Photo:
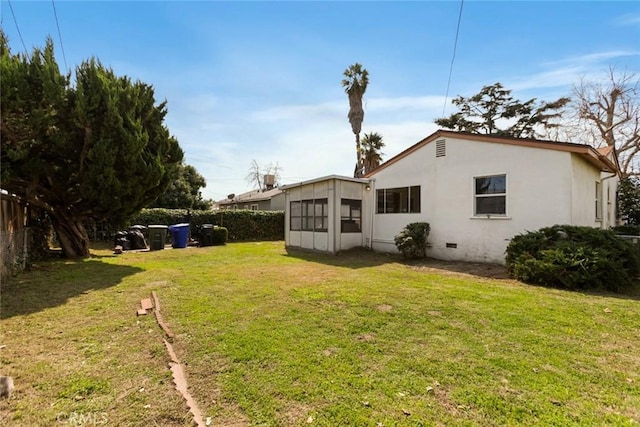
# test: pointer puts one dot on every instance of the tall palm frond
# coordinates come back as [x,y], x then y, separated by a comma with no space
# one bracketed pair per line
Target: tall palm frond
[355,85]
[370,153]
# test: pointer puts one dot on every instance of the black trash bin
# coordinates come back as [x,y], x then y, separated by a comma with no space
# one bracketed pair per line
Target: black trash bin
[206,235]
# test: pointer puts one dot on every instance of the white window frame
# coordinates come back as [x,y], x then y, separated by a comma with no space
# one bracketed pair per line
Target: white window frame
[490,195]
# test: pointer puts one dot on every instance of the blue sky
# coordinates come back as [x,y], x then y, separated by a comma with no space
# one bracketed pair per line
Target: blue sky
[261,80]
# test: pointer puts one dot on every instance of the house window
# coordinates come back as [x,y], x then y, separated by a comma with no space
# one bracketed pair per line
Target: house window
[350,215]
[398,200]
[491,195]
[598,201]
[309,215]
[254,207]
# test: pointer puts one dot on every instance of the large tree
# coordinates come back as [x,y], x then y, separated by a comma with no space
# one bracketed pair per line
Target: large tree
[493,111]
[355,85]
[607,113]
[257,172]
[97,149]
[371,155]
[629,200]
[183,192]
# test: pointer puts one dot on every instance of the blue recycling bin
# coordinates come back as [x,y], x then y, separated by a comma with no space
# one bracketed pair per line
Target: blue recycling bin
[179,235]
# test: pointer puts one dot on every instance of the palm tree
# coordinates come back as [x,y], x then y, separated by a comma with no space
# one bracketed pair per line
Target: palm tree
[370,151]
[355,85]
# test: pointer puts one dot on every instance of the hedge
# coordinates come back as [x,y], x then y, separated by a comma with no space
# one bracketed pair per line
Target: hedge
[242,225]
[629,229]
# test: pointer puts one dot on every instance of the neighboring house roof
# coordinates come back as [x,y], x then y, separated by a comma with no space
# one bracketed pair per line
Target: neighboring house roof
[605,151]
[325,178]
[590,154]
[252,196]
[610,153]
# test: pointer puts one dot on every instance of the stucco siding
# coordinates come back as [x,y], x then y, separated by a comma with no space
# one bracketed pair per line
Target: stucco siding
[583,194]
[538,185]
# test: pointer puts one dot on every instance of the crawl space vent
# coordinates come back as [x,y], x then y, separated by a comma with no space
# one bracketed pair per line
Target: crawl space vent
[441,148]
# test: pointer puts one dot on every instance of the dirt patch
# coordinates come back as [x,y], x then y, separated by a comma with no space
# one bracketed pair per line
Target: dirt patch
[331,351]
[489,271]
[384,308]
[294,414]
[366,337]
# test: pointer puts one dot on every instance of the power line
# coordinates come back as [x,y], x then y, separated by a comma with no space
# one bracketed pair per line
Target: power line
[17,27]
[455,46]
[59,35]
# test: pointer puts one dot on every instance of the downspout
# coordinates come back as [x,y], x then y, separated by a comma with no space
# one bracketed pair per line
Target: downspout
[372,186]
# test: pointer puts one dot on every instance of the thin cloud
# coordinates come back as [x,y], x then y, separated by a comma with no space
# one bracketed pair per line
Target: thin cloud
[593,58]
[628,20]
[567,71]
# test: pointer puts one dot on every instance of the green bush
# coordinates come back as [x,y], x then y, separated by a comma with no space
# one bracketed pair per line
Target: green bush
[220,235]
[241,225]
[574,257]
[412,240]
[629,230]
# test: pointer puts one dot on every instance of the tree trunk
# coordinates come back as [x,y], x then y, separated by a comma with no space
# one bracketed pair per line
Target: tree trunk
[72,235]
[358,173]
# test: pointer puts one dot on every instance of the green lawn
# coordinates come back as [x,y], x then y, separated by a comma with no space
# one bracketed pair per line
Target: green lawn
[271,337]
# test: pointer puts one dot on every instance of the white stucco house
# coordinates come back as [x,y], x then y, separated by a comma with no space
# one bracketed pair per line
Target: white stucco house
[476,192]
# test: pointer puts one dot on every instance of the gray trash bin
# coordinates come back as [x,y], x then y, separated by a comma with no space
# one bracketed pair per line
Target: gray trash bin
[157,237]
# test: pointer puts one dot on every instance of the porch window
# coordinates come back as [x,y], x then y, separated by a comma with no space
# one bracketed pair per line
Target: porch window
[350,216]
[491,195]
[295,216]
[309,215]
[398,200]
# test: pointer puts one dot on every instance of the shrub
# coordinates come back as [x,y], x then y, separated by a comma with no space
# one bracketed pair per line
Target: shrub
[220,235]
[629,230]
[412,240]
[241,225]
[574,257]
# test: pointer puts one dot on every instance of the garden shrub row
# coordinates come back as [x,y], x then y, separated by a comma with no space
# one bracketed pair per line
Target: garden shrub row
[242,225]
[574,257]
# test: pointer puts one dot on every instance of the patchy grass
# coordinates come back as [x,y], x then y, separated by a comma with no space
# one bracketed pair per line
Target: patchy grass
[272,337]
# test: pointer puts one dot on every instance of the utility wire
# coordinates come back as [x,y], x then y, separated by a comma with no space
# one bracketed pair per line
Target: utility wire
[17,27]
[60,35]
[455,46]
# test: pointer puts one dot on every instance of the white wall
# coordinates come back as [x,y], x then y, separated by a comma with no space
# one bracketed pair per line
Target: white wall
[334,190]
[609,189]
[539,185]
